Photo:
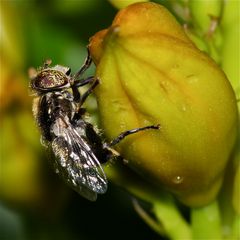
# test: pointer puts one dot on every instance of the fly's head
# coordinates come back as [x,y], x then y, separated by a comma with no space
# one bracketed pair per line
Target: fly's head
[49,79]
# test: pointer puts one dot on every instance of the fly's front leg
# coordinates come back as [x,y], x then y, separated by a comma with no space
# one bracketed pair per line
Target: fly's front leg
[85,66]
[129,132]
[83,82]
[78,83]
[47,63]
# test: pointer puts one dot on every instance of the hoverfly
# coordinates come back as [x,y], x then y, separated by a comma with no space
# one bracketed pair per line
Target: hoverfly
[78,148]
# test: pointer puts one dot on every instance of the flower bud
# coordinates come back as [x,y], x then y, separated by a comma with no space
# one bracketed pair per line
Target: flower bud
[121,4]
[151,73]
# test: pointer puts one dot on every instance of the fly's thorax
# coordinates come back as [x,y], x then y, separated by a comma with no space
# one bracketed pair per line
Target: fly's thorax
[51,107]
[61,104]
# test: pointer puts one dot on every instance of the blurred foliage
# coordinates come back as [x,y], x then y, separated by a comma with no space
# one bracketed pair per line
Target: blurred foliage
[34,203]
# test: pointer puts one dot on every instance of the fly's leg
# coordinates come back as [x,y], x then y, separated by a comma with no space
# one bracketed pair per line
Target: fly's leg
[83,82]
[81,99]
[80,83]
[129,132]
[89,91]
[110,152]
[85,66]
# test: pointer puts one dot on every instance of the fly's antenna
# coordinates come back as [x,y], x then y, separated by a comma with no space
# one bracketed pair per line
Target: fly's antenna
[46,63]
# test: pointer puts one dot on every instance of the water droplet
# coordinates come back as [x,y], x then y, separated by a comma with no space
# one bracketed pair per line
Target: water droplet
[184,108]
[178,180]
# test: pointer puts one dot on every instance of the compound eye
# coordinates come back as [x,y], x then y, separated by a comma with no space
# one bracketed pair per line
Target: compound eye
[50,79]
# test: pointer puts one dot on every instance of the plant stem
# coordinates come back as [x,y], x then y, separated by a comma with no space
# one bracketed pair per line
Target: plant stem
[156,226]
[236,227]
[206,222]
[170,217]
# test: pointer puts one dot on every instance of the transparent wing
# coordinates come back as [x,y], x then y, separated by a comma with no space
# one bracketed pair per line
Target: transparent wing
[76,163]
